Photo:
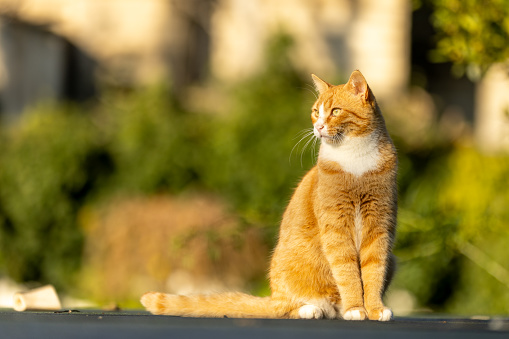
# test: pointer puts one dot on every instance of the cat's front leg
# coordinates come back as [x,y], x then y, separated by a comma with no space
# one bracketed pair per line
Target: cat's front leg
[339,249]
[376,260]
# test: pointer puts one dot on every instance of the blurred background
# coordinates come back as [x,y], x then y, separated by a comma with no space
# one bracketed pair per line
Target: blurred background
[147,144]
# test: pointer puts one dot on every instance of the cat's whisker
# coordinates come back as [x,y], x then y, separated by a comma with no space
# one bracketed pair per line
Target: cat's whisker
[307,133]
[312,90]
[303,135]
[304,148]
[313,150]
[300,141]
[304,131]
[337,138]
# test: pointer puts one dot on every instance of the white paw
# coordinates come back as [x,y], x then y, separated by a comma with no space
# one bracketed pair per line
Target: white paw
[310,312]
[385,315]
[353,315]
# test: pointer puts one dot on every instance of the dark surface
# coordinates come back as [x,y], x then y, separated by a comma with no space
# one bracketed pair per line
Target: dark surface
[94,324]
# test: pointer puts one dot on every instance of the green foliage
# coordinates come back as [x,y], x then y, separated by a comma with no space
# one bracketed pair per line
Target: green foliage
[154,146]
[253,142]
[43,178]
[473,34]
[451,234]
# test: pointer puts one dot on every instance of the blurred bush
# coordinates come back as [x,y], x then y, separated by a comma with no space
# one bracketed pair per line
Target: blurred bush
[153,144]
[473,34]
[251,160]
[48,165]
[453,215]
[184,244]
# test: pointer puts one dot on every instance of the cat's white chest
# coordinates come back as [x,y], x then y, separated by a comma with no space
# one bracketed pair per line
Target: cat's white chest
[356,155]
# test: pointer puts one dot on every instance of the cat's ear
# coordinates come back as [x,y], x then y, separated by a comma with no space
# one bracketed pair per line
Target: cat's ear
[320,85]
[358,86]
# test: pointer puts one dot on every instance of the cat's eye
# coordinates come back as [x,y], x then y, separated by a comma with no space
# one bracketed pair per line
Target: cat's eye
[316,113]
[336,112]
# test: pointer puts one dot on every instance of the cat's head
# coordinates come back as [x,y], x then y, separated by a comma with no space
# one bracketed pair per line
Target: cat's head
[341,111]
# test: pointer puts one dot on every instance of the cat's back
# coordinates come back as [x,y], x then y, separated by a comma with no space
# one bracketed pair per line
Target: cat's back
[301,208]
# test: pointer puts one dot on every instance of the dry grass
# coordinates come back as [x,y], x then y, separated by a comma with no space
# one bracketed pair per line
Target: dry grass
[179,245]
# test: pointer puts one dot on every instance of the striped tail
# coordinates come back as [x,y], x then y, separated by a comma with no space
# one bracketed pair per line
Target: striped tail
[231,305]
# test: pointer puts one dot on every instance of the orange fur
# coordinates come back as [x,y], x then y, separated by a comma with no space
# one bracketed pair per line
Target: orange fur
[333,258]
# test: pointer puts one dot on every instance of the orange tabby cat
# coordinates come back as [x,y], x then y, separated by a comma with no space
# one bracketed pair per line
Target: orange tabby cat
[333,258]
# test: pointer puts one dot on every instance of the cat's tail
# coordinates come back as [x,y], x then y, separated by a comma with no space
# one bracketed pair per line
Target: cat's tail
[231,305]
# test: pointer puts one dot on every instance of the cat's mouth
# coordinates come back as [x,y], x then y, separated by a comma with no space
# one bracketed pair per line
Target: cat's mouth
[334,139]
[332,136]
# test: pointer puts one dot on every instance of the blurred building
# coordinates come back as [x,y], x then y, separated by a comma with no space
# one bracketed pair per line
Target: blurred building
[38,64]
[332,37]
[492,110]
[187,41]
[146,40]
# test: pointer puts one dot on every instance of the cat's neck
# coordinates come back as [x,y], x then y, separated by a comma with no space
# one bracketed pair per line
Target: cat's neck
[355,155]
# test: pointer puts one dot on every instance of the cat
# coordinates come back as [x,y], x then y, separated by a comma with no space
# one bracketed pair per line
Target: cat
[334,256]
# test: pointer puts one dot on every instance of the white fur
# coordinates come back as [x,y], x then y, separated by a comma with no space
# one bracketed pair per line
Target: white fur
[318,309]
[320,122]
[321,112]
[310,312]
[356,155]
[386,315]
[353,315]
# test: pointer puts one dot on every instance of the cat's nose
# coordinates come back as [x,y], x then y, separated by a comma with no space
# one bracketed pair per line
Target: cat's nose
[318,130]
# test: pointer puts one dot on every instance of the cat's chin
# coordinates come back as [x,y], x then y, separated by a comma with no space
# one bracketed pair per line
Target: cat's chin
[333,140]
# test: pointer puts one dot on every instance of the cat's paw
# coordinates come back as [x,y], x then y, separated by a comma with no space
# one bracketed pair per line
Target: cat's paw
[380,314]
[355,313]
[310,312]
